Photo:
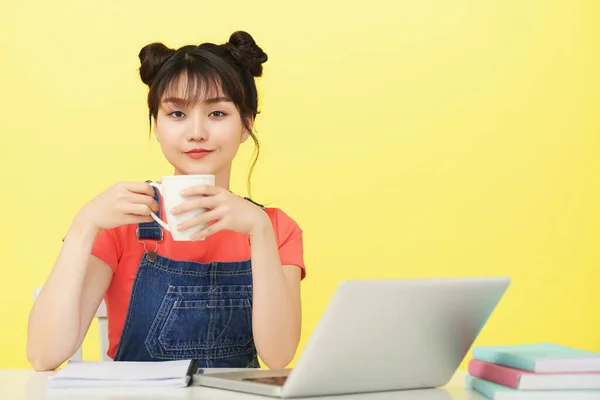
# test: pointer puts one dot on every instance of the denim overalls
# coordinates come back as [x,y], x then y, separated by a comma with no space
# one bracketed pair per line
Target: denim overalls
[188,310]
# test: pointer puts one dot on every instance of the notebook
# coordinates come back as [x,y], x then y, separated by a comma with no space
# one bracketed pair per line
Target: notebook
[78,374]
[542,357]
[495,391]
[527,380]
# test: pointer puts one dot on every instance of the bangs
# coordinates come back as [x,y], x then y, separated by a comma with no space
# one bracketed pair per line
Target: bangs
[192,80]
[190,89]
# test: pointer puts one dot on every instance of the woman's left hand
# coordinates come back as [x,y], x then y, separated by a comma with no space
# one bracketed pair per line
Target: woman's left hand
[227,210]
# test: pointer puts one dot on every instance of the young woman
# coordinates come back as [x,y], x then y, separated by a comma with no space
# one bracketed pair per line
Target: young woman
[230,294]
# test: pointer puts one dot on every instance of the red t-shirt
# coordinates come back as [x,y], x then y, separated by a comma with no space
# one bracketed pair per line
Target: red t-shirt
[120,249]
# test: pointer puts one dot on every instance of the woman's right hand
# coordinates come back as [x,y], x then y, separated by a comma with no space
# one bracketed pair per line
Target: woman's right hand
[121,204]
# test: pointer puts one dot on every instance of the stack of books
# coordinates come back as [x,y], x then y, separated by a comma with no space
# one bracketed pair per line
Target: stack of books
[534,371]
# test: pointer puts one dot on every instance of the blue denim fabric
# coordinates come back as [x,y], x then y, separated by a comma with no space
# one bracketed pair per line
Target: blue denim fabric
[189,310]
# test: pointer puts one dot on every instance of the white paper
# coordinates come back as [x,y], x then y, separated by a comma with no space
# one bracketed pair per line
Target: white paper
[121,374]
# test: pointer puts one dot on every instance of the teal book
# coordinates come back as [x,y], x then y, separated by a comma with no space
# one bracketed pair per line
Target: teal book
[494,391]
[541,357]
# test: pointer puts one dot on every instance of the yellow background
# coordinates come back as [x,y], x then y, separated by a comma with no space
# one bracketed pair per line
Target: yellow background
[408,139]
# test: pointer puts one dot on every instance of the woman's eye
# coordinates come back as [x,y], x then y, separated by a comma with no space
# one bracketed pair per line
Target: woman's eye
[218,114]
[177,114]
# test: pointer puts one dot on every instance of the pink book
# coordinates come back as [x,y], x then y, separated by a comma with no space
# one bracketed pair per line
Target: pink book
[527,380]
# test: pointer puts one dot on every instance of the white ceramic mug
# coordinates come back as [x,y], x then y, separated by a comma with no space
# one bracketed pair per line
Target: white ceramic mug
[170,189]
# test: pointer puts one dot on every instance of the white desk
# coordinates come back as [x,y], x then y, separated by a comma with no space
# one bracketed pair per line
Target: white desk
[30,385]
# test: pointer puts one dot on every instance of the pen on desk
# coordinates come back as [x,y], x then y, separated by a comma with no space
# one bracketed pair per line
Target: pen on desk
[192,369]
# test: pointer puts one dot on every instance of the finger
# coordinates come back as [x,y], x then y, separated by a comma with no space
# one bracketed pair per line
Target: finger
[206,190]
[209,202]
[143,199]
[204,218]
[140,187]
[136,209]
[137,219]
[210,230]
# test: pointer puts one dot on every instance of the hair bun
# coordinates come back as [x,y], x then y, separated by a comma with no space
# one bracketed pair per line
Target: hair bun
[248,54]
[152,57]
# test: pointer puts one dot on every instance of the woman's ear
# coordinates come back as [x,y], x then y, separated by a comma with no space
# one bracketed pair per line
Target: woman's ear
[245,136]
[247,129]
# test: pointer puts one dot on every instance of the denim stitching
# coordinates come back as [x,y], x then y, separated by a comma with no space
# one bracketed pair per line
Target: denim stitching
[204,304]
[162,264]
[222,289]
[202,356]
[128,317]
[172,300]
[224,350]
[166,328]
[213,312]
[192,273]
[156,322]
[226,325]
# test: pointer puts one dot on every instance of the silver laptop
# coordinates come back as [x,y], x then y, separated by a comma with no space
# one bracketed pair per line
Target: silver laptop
[380,335]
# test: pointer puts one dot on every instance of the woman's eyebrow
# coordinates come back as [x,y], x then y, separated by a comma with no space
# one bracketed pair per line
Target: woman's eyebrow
[179,101]
[217,100]
[175,100]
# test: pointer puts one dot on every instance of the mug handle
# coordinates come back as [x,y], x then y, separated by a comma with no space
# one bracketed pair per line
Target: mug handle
[154,216]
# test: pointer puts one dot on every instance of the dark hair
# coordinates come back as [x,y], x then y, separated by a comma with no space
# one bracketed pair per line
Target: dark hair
[207,68]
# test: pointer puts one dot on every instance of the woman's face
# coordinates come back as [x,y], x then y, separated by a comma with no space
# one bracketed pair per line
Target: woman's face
[199,137]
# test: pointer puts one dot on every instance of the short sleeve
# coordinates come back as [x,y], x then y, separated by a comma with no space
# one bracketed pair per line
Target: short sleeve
[105,247]
[289,240]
